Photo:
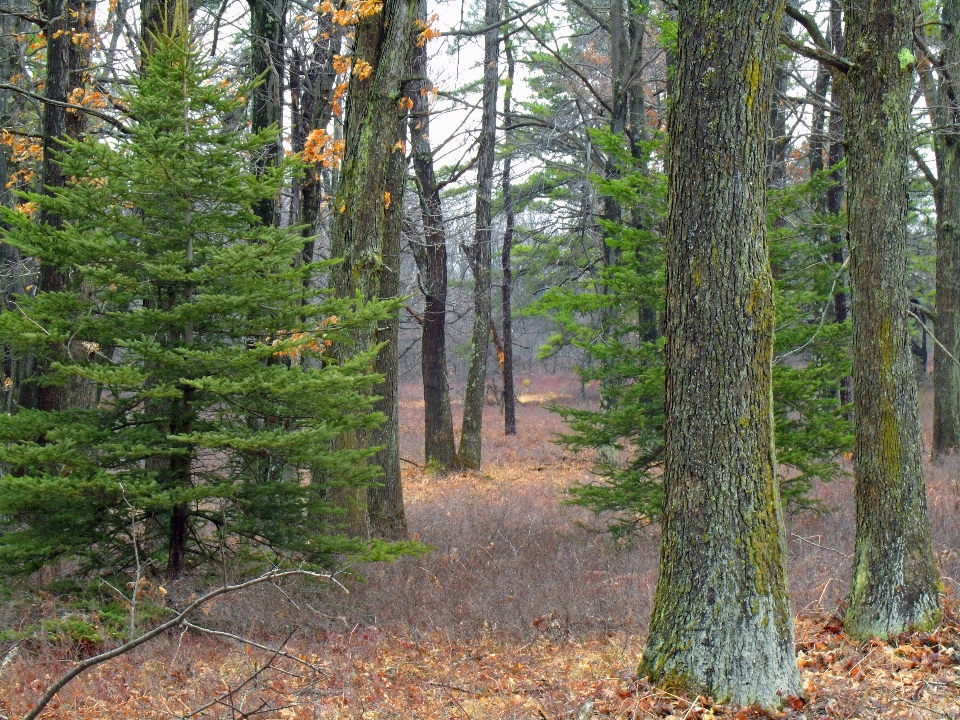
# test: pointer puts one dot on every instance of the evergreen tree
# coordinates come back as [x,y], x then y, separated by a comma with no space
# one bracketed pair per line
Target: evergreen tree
[217,402]
[811,427]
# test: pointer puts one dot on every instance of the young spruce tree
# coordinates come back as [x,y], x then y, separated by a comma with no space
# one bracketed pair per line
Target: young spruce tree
[217,404]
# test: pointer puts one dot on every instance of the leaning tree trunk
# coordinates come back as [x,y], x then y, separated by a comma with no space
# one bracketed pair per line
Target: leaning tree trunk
[480,252]
[366,193]
[440,450]
[894,582]
[946,373]
[721,621]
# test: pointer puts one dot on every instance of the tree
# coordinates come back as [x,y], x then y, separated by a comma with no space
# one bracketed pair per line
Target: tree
[721,621]
[894,583]
[187,299]
[942,103]
[440,450]
[479,251]
[369,195]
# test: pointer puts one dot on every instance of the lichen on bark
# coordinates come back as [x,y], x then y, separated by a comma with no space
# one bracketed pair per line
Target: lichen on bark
[721,623]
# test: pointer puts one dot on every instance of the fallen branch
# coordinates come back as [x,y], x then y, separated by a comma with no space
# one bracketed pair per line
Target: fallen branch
[251,643]
[85,665]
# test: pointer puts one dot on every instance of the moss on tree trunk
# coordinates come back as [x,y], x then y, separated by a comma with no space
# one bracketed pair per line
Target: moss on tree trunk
[894,585]
[721,622]
[368,196]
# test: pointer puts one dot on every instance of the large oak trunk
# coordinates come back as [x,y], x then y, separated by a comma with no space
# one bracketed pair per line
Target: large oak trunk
[366,194]
[721,621]
[894,584]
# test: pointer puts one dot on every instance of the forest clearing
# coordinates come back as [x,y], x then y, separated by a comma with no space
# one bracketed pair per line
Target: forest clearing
[562,359]
[522,610]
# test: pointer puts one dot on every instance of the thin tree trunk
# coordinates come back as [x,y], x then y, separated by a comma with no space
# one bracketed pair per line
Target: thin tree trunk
[440,451]
[721,623]
[66,71]
[365,193]
[946,374]
[894,578]
[509,391]
[267,20]
[12,49]
[479,253]
[312,81]
[836,194]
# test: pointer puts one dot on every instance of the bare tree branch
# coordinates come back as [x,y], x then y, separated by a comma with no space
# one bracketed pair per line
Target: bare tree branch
[816,53]
[494,26]
[90,662]
[70,106]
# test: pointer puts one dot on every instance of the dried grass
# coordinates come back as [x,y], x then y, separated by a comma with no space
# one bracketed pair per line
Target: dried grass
[523,610]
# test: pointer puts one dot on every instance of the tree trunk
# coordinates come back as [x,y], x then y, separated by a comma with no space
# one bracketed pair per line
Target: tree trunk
[836,193]
[66,70]
[479,253]
[439,449]
[364,200]
[946,373]
[385,500]
[312,80]
[509,391]
[267,19]
[894,583]
[14,269]
[721,621]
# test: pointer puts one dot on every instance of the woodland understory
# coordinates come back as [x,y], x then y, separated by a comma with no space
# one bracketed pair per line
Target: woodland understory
[525,608]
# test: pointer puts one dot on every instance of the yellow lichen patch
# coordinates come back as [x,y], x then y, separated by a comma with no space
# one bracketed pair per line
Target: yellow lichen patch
[754,75]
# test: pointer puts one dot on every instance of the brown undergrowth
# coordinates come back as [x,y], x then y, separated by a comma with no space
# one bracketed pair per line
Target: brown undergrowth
[523,609]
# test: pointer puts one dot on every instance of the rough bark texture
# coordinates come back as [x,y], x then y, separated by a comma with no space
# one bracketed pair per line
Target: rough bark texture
[721,622]
[894,583]
[365,193]
[431,256]
[385,500]
[479,253]
[509,391]
[66,70]
[311,88]
[836,194]
[267,19]
[946,373]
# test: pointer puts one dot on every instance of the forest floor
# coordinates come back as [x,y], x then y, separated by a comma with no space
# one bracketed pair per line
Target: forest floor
[523,610]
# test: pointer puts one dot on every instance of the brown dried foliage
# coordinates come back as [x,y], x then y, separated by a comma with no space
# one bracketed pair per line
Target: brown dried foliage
[523,610]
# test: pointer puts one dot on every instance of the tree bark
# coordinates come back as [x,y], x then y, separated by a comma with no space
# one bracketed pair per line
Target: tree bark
[509,391]
[312,80]
[946,374]
[479,252]
[385,500]
[267,21]
[894,583]
[721,622]
[66,71]
[439,446]
[836,194]
[365,193]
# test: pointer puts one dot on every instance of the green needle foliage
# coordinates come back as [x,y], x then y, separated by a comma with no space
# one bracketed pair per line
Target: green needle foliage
[218,407]
[612,317]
